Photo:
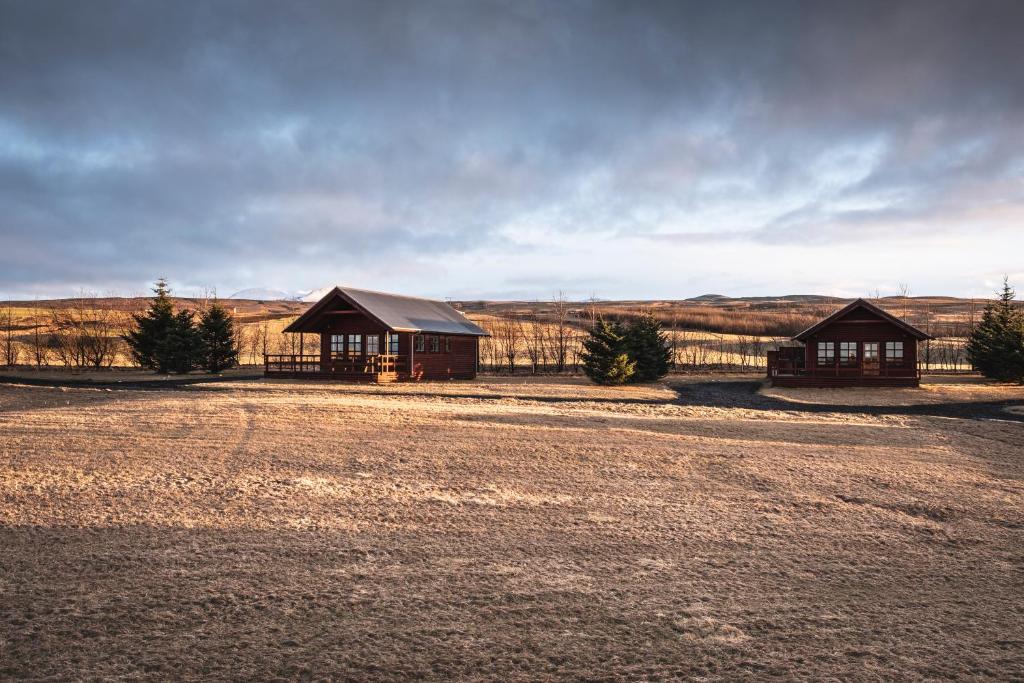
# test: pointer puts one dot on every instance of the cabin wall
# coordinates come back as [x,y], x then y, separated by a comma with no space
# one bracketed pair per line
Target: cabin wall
[869,330]
[459,363]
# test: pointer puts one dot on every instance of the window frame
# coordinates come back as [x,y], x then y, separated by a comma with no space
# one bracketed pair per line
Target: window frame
[374,348]
[337,346]
[848,351]
[825,359]
[418,343]
[895,353]
[354,344]
[867,347]
[434,343]
[392,343]
[447,344]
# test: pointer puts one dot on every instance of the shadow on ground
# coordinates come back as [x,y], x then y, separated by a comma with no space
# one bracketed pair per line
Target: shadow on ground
[745,395]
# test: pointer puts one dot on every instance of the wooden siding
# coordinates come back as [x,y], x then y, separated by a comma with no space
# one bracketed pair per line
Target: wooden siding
[459,363]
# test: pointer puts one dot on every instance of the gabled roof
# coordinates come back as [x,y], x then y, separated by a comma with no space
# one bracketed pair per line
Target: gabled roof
[395,312]
[867,305]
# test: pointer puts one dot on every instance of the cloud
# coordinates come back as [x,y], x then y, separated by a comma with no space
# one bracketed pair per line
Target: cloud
[257,144]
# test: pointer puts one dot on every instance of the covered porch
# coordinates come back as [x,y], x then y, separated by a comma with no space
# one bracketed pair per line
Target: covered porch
[368,368]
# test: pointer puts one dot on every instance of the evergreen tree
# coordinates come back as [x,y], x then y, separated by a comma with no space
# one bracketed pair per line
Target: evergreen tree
[181,350]
[996,346]
[217,338]
[648,347]
[605,357]
[151,329]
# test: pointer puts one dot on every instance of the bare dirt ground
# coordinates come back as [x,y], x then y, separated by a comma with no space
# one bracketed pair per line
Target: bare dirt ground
[509,530]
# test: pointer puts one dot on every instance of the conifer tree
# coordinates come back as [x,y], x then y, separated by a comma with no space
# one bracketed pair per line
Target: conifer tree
[217,338]
[605,358]
[648,347]
[181,350]
[152,329]
[996,346]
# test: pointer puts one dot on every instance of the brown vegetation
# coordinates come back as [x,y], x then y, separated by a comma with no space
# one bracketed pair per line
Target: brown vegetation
[508,530]
[707,334]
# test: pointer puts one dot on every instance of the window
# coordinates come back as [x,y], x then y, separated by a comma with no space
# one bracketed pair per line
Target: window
[894,353]
[848,353]
[372,344]
[393,344]
[447,344]
[826,353]
[337,345]
[870,352]
[419,342]
[435,343]
[355,344]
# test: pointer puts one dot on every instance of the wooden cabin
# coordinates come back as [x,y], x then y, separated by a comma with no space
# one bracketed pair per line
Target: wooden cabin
[377,337]
[858,345]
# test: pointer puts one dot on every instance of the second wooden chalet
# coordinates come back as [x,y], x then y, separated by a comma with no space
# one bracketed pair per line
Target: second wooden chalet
[378,337]
[858,345]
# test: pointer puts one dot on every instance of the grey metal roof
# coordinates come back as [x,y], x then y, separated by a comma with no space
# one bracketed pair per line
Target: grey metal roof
[401,313]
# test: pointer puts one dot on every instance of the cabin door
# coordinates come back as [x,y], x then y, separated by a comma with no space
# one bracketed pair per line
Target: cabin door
[870,362]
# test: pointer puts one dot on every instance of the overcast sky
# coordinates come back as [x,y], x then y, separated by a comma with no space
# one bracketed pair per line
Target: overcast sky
[511,150]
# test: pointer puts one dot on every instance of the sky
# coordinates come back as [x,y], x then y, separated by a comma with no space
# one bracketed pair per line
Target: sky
[512,150]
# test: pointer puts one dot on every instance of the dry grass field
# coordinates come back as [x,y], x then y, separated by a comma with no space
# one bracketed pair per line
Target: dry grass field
[510,530]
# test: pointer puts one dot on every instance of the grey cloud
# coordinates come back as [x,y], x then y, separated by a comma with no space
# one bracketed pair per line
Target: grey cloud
[212,140]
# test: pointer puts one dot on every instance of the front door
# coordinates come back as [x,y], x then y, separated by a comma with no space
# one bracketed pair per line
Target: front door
[870,364]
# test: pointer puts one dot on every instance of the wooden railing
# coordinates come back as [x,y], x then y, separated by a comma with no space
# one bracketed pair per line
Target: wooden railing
[346,365]
[781,367]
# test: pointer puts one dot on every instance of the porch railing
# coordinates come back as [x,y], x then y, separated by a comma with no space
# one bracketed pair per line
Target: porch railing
[346,365]
[787,367]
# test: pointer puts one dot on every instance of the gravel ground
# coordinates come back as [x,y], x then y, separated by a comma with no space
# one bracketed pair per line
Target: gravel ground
[508,530]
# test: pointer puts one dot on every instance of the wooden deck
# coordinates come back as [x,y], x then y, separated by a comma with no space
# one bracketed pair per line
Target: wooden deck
[376,368]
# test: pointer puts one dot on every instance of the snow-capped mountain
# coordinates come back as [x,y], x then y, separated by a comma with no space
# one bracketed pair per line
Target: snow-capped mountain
[263,294]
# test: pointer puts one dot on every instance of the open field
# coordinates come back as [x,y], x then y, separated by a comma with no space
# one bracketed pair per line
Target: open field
[511,530]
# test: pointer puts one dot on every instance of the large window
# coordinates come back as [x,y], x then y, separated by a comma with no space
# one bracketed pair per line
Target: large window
[848,353]
[826,353]
[393,344]
[870,352]
[419,343]
[434,343]
[355,344]
[894,353]
[337,345]
[372,344]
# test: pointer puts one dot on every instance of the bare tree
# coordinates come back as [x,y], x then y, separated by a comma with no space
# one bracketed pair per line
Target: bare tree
[84,334]
[561,334]
[508,340]
[11,350]
[904,290]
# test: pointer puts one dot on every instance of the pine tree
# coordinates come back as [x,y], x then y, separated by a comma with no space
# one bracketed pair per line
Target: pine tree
[217,338]
[605,358]
[152,329]
[996,346]
[648,347]
[181,350]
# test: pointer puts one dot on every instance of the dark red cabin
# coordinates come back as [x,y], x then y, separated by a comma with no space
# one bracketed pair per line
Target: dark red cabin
[858,345]
[377,337]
